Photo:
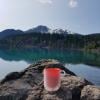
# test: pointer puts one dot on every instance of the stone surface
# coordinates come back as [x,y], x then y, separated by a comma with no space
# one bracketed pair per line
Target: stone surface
[71,87]
[90,93]
[28,84]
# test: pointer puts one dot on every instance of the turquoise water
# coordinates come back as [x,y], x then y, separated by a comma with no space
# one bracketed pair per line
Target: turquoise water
[83,64]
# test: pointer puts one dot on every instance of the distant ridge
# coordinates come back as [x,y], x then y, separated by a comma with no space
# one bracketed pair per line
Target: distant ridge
[10,32]
[44,37]
[39,29]
[45,29]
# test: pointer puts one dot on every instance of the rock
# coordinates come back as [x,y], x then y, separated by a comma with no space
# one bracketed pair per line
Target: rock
[90,92]
[39,93]
[71,87]
[13,95]
[12,76]
[61,94]
[75,84]
[28,84]
[40,65]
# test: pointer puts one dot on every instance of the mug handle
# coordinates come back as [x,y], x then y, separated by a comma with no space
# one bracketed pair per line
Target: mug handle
[62,73]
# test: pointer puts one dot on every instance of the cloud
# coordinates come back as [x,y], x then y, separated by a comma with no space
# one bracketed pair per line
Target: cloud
[73,3]
[45,1]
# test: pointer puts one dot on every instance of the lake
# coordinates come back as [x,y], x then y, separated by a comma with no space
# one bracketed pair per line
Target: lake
[86,65]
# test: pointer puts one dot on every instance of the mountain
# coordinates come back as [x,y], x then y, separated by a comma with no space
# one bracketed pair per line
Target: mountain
[42,29]
[30,39]
[45,29]
[10,32]
[39,29]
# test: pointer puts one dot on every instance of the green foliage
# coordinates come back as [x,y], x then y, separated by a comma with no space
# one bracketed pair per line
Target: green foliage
[61,41]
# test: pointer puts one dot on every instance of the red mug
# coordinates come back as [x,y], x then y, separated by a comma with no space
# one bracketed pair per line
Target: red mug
[52,79]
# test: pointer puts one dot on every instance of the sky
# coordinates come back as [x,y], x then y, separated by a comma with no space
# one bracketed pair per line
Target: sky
[80,16]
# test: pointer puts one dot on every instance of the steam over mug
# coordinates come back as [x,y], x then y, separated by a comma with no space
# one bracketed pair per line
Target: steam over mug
[52,79]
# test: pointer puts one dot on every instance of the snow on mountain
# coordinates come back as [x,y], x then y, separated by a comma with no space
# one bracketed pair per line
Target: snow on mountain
[38,29]
[45,29]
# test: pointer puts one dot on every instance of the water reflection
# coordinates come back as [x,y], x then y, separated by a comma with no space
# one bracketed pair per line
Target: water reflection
[90,73]
[11,66]
[65,56]
[16,60]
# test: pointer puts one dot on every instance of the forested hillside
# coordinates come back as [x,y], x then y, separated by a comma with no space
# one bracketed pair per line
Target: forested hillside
[46,40]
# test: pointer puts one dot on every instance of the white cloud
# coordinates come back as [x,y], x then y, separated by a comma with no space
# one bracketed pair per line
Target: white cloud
[45,1]
[73,3]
